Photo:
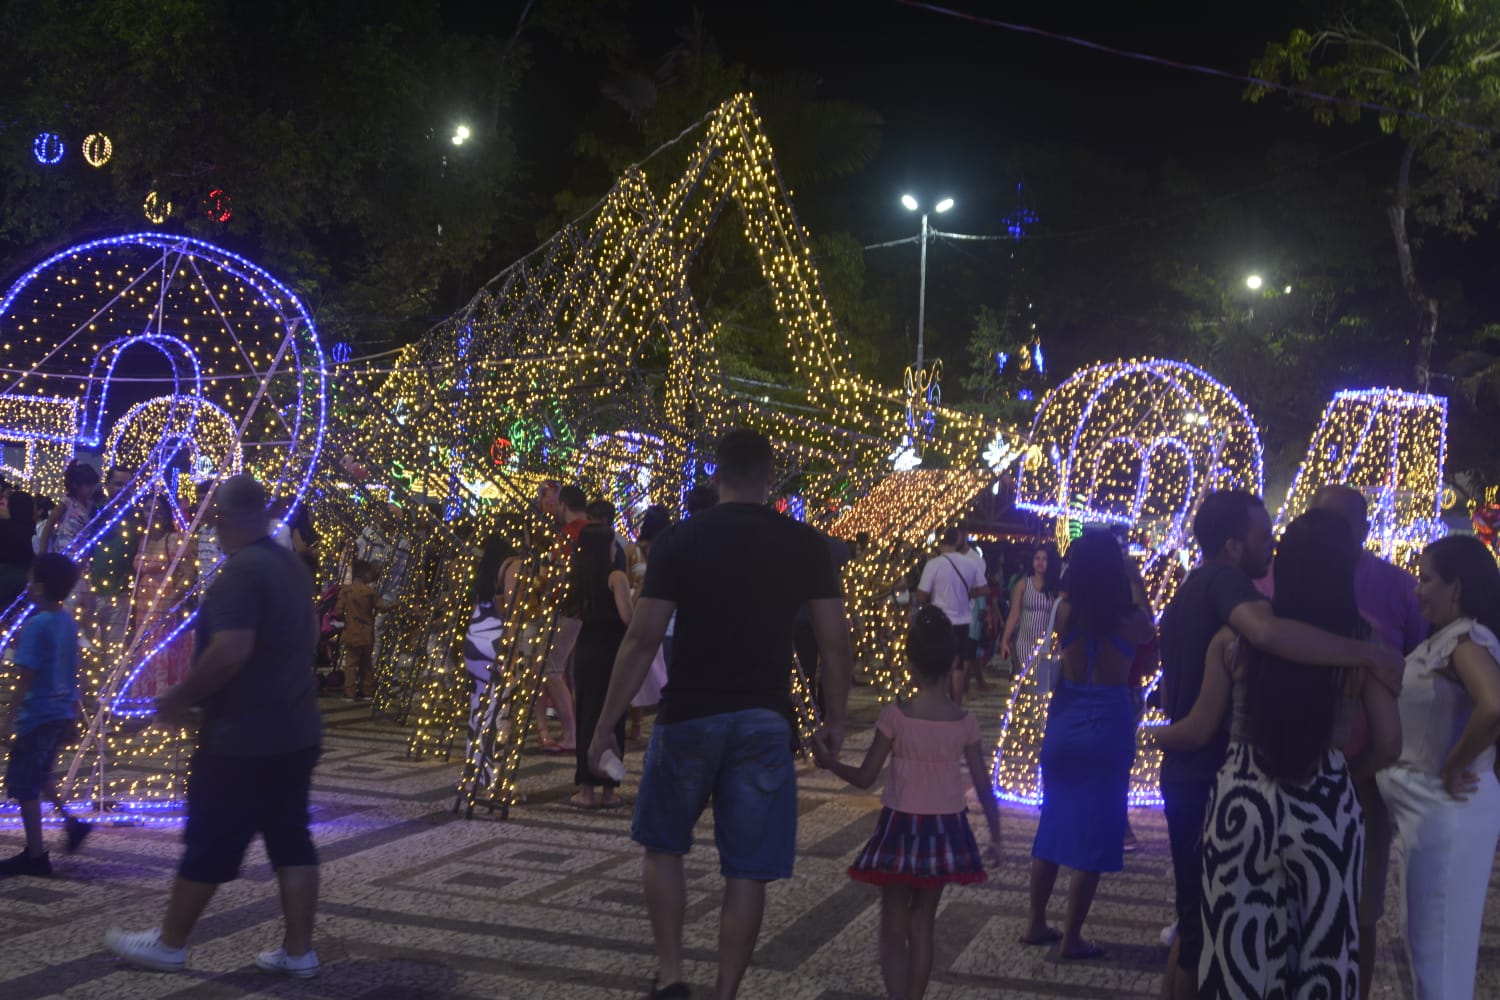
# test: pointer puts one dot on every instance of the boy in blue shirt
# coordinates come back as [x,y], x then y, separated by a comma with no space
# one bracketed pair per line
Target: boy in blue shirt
[43,710]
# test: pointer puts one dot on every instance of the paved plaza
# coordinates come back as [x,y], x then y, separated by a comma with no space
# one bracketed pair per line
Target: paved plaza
[420,903]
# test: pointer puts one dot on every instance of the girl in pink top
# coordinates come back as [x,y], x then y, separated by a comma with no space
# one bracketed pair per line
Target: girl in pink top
[922,840]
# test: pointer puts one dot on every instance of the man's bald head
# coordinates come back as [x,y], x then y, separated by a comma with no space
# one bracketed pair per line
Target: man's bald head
[240,509]
[1348,503]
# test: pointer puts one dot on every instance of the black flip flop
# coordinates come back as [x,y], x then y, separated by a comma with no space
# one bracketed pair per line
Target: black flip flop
[1050,936]
[1089,952]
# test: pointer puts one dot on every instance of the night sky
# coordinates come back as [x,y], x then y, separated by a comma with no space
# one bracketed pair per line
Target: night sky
[967,107]
[960,98]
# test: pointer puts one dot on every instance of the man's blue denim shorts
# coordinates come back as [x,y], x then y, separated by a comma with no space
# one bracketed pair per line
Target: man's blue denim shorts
[743,762]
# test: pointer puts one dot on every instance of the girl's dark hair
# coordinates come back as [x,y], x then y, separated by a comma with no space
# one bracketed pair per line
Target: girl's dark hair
[588,572]
[22,507]
[1052,579]
[1466,559]
[1290,707]
[654,521]
[929,643]
[1098,584]
[79,474]
[497,549]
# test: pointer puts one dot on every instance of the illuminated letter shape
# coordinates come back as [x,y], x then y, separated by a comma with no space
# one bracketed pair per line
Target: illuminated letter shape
[44,429]
[1389,445]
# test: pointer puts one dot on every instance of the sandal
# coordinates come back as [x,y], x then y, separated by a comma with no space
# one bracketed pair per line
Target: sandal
[1049,936]
[675,991]
[1084,954]
[585,806]
[611,804]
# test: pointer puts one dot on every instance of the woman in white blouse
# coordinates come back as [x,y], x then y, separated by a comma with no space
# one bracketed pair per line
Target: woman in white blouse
[1442,793]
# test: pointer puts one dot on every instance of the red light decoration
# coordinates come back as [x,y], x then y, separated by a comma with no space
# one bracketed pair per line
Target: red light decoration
[217,206]
[501,450]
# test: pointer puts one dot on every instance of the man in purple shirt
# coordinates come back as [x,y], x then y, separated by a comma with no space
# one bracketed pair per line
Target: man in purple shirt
[1387,599]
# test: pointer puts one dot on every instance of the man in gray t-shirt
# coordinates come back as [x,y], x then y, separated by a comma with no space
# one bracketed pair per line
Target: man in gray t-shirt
[252,679]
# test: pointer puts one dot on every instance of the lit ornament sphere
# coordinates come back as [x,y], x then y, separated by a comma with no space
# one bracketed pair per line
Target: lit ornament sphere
[217,207]
[157,209]
[342,353]
[48,148]
[97,149]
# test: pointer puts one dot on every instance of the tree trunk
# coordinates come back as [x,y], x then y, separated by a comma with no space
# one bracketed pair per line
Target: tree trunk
[1425,305]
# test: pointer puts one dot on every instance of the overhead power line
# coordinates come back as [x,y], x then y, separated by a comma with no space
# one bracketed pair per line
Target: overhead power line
[1254,81]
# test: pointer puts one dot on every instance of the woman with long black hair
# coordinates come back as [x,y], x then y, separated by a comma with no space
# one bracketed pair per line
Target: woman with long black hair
[1442,794]
[1031,609]
[1089,740]
[1284,841]
[599,595]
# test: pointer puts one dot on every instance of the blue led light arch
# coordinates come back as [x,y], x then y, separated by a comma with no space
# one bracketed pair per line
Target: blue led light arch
[244,361]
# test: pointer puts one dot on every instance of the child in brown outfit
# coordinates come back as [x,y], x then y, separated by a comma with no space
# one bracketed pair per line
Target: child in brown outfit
[358,602]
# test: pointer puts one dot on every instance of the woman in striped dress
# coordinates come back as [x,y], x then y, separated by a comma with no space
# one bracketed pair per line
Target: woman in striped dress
[1031,608]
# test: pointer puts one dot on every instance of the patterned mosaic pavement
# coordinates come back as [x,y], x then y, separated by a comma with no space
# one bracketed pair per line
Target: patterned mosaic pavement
[419,903]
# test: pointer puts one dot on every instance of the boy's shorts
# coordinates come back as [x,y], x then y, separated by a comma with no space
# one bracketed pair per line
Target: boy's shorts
[32,757]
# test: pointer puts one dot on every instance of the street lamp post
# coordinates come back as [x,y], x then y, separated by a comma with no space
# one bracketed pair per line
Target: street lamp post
[912,206]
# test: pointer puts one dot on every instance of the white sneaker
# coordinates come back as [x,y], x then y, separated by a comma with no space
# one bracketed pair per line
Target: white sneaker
[144,949]
[280,963]
[1169,934]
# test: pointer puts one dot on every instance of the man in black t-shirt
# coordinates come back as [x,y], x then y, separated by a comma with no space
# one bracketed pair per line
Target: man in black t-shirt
[736,574]
[1233,529]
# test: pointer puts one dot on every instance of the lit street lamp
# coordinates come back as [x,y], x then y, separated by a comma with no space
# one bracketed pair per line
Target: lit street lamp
[1253,282]
[912,206]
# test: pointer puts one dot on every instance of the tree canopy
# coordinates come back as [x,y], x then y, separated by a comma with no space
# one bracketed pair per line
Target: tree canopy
[326,127]
[1428,73]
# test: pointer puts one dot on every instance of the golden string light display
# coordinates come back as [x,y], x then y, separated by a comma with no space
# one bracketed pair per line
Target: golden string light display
[593,342]
[1389,445]
[903,517]
[589,361]
[1136,444]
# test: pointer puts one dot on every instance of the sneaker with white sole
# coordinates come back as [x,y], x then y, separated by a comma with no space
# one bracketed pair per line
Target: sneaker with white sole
[282,964]
[144,949]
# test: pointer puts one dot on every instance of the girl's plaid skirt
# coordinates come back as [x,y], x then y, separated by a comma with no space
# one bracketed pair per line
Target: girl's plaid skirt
[921,851]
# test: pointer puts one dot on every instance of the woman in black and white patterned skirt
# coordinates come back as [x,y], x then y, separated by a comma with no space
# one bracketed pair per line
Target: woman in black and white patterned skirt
[1283,843]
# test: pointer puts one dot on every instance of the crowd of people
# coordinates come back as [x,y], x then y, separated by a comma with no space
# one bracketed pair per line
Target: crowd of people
[1329,715]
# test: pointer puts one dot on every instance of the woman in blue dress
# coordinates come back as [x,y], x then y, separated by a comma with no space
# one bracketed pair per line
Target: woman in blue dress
[1089,741]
